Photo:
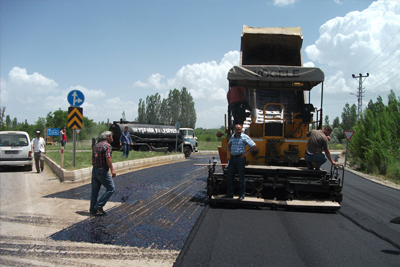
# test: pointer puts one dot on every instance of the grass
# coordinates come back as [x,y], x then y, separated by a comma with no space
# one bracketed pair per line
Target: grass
[84,159]
[209,145]
[80,145]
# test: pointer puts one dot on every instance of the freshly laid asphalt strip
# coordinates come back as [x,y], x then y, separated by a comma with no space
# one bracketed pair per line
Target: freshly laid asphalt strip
[160,207]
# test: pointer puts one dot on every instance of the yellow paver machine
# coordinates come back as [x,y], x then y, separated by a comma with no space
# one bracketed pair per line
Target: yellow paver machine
[269,94]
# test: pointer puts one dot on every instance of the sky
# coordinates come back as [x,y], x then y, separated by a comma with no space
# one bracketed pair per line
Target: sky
[118,51]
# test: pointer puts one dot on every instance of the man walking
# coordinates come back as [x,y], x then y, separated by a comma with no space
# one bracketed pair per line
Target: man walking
[63,136]
[101,161]
[318,143]
[237,163]
[125,141]
[39,148]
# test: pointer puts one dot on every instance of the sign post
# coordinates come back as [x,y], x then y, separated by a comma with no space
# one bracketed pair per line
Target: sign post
[75,116]
[348,135]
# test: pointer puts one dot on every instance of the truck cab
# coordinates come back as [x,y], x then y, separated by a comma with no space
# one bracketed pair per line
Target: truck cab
[189,141]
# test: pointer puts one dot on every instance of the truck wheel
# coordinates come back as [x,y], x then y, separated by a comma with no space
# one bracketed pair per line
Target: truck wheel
[143,149]
[187,151]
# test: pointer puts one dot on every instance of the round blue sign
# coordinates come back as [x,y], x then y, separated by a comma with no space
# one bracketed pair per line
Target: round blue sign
[75,98]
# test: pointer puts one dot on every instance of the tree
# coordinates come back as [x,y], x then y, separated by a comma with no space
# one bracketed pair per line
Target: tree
[336,123]
[123,115]
[349,117]
[2,115]
[14,124]
[8,121]
[141,112]
[326,121]
[188,112]
[153,105]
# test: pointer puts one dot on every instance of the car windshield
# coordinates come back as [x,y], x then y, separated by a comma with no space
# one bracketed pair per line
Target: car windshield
[13,140]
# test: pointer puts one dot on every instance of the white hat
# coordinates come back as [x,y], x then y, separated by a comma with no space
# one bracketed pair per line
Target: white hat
[38,132]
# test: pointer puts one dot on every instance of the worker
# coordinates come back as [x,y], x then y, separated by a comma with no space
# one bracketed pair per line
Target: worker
[101,161]
[39,148]
[63,136]
[318,143]
[125,141]
[237,147]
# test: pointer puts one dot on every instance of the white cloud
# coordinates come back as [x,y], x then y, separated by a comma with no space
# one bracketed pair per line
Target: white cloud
[360,42]
[283,3]
[206,82]
[30,96]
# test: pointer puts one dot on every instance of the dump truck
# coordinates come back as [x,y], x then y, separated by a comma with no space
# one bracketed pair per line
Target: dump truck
[269,94]
[155,137]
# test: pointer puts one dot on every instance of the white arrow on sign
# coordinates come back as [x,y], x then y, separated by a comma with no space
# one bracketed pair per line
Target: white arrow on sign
[76,99]
[348,135]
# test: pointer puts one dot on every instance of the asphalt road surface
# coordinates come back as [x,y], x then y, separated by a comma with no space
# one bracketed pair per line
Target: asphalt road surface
[365,232]
[157,217]
[150,215]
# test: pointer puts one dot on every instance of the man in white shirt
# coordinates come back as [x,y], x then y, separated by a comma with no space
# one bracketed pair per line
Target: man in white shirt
[39,148]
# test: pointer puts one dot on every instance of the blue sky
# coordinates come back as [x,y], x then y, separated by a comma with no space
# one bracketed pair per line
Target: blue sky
[117,52]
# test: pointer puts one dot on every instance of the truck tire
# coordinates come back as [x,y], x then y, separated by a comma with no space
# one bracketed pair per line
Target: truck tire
[187,151]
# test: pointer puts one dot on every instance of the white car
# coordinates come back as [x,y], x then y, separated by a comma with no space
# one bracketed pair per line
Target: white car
[15,149]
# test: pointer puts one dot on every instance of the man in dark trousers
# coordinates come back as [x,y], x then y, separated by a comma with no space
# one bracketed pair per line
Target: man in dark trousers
[125,141]
[237,163]
[101,161]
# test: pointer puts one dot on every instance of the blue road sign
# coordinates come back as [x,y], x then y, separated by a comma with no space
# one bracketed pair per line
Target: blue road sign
[53,131]
[76,98]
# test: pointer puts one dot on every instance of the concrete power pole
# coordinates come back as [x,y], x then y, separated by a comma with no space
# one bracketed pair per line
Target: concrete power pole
[360,92]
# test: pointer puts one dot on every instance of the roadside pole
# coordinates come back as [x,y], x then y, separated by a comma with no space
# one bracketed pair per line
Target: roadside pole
[62,157]
[74,148]
[348,135]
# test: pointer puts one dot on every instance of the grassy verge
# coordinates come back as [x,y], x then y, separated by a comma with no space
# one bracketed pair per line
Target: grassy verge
[209,145]
[84,159]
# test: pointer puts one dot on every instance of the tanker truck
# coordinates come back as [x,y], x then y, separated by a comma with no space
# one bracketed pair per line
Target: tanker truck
[155,137]
[269,94]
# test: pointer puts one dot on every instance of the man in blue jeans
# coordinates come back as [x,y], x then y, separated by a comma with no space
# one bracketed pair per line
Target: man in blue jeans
[101,161]
[318,143]
[125,141]
[237,163]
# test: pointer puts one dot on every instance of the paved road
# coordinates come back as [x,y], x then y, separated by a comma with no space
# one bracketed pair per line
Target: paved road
[360,234]
[45,222]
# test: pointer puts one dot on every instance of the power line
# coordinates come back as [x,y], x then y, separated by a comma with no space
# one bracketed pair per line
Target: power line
[381,51]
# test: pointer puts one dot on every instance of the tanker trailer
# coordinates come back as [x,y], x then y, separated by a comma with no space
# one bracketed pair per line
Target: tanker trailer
[151,137]
[268,95]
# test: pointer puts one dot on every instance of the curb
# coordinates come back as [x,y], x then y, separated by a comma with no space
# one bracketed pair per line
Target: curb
[123,166]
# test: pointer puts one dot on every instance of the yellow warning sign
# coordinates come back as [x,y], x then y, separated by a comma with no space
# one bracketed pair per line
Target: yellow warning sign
[75,117]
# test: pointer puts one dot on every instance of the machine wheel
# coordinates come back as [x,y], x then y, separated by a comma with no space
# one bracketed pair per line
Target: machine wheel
[187,151]
[143,149]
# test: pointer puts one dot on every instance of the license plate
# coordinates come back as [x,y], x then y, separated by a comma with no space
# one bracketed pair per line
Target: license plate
[11,152]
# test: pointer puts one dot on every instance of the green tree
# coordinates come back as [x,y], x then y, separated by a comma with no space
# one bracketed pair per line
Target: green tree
[349,117]
[8,122]
[174,102]
[2,121]
[153,105]
[141,111]
[188,113]
[326,121]
[336,123]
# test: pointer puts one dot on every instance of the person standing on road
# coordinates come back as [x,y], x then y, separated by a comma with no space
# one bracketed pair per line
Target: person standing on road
[237,163]
[318,143]
[125,141]
[101,161]
[63,136]
[39,148]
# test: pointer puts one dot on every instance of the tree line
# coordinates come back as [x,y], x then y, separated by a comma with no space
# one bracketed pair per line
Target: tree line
[177,107]
[56,119]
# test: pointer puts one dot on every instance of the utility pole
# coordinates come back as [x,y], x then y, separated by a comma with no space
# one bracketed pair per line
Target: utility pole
[360,92]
